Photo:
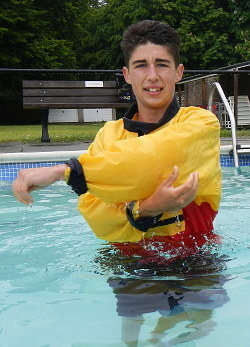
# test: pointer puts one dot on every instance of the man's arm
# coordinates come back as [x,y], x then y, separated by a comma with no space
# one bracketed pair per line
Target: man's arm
[110,222]
[165,197]
[32,179]
[133,169]
[169,198]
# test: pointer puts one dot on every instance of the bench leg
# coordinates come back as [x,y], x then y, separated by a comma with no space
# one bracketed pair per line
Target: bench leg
[45,132]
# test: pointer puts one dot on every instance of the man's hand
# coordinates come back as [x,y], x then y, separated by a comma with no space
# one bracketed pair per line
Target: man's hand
[36,178]
[167,198]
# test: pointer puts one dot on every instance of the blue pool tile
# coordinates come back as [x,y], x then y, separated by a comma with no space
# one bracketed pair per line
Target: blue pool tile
[9,171]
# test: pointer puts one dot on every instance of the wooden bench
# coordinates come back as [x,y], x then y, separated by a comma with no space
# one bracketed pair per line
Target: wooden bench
[45,95]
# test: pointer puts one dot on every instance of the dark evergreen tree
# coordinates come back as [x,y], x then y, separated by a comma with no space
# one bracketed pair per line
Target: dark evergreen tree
[87,33]
[38,34]
[214,32]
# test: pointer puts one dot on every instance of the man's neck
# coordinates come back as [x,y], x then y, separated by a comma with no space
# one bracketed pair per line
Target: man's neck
[150,115]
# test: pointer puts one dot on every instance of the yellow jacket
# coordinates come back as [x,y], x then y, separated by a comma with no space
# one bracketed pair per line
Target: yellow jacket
[120,167]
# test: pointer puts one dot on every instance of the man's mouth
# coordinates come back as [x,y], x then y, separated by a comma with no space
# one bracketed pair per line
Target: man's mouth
[153,89]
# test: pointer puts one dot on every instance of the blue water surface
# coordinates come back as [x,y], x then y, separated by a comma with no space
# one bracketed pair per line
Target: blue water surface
[60,286]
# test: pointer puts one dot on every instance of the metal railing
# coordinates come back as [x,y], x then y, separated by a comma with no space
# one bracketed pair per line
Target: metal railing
[217,86]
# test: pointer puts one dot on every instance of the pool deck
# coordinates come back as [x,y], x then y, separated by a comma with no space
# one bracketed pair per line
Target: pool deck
[18,147]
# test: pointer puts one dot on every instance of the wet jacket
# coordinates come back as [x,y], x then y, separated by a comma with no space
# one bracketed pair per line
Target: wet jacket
[121,166]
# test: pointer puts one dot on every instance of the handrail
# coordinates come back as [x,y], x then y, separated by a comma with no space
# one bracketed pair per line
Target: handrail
[217,86]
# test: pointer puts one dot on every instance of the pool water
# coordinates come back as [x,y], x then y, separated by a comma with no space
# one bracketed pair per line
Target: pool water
[60,286]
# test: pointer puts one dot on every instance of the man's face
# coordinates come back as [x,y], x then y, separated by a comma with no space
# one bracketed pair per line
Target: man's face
[152,74]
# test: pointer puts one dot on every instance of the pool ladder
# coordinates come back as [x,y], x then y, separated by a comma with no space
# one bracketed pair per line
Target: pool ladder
[236,148]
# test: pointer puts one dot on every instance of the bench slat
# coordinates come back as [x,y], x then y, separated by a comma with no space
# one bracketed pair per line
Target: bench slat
[65,84]
[70,100]
[76,105]
[69,92]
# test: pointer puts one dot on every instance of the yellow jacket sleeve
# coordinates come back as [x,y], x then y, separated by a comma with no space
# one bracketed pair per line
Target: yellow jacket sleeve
[108,221]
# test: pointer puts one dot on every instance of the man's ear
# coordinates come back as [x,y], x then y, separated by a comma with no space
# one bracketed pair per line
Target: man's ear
[179,72]
[126,76]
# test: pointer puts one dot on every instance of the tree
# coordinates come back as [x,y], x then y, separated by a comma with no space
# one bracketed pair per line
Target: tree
[240,27]
[214,32]
[18,26]
[87,33]
[205,38]
[106,26]
[35,34]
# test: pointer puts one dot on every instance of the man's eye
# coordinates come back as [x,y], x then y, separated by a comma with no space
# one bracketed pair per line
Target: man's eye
[140,66]
[162,65]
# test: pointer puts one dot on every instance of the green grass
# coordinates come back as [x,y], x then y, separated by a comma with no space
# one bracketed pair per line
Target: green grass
[240,133]
[66,132]
[57,133]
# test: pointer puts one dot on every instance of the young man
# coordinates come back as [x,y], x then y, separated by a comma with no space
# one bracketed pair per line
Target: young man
[153,175]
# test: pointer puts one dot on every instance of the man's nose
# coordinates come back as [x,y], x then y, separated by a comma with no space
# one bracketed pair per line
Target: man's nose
[152,73]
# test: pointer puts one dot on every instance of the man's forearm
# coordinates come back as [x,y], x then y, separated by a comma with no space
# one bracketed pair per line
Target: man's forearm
[60,170]
[32,179]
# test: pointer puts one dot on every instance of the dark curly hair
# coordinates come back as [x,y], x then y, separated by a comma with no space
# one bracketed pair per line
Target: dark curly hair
[155,32]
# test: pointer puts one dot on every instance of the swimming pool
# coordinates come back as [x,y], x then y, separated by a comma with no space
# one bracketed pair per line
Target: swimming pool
[60,286]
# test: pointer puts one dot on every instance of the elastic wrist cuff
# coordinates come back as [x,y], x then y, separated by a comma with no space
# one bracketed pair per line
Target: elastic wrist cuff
[76,178]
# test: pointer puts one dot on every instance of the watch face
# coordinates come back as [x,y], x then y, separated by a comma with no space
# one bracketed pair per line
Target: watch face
[131,205]
[136,209]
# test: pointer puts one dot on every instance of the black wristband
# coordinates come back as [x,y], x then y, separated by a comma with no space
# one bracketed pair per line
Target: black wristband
[77,179]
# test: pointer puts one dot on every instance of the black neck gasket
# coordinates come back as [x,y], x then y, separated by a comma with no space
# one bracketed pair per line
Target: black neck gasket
[143,128]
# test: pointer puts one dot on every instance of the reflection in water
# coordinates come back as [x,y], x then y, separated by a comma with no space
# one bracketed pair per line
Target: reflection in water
[183,292]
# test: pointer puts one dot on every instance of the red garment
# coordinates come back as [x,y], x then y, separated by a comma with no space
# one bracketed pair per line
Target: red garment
[198,232]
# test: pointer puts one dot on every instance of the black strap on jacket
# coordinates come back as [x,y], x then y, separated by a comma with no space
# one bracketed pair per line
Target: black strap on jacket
[77,179]
[143,128]
[145,223]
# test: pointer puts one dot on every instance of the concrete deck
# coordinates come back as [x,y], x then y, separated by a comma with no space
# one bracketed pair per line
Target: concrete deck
[18,147]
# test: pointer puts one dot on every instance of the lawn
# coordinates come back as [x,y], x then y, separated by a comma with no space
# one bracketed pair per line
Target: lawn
[57,133]
[66,132]
[239,133]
